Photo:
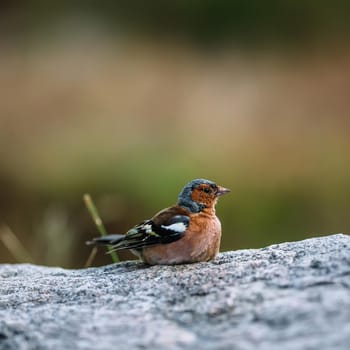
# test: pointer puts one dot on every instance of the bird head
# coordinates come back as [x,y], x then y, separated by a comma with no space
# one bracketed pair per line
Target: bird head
[200,194]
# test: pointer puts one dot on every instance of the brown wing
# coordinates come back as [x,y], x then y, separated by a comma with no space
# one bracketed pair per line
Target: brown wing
[166,215]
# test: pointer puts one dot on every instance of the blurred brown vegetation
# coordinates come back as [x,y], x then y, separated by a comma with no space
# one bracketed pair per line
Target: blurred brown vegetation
[131,118]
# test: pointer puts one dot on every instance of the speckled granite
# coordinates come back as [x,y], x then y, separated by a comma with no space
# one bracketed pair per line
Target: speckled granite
[286,296]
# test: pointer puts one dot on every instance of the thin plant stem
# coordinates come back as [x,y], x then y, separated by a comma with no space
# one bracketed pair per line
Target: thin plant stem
[14,245]
[99,224]
[91,257]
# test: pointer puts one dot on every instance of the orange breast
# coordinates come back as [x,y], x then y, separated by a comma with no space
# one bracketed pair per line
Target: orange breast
[201,242]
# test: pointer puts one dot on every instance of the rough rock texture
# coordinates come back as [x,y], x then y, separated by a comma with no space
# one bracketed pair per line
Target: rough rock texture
[286,296]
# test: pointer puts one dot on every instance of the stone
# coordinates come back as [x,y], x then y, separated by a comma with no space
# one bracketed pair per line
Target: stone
[285,296]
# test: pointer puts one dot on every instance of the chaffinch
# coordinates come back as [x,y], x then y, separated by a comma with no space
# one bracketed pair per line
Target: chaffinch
[187,232]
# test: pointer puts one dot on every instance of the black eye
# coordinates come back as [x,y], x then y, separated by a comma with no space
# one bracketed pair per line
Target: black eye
[206,190]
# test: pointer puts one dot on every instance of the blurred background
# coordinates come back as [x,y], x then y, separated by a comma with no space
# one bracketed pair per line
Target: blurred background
[129,100]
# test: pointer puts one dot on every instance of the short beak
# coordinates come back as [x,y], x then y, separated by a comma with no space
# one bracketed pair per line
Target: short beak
[222,190]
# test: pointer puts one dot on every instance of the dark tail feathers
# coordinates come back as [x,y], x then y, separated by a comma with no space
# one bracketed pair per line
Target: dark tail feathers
[106,240]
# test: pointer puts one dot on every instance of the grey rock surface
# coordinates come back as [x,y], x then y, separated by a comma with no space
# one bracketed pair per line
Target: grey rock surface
[286,296]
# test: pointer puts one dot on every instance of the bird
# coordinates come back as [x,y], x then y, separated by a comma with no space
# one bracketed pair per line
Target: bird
[187,232]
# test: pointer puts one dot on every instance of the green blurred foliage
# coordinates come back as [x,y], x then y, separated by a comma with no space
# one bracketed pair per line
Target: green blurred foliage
[202,22]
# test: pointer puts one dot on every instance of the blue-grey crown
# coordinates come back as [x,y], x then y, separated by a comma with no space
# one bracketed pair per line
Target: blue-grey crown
[185,199]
